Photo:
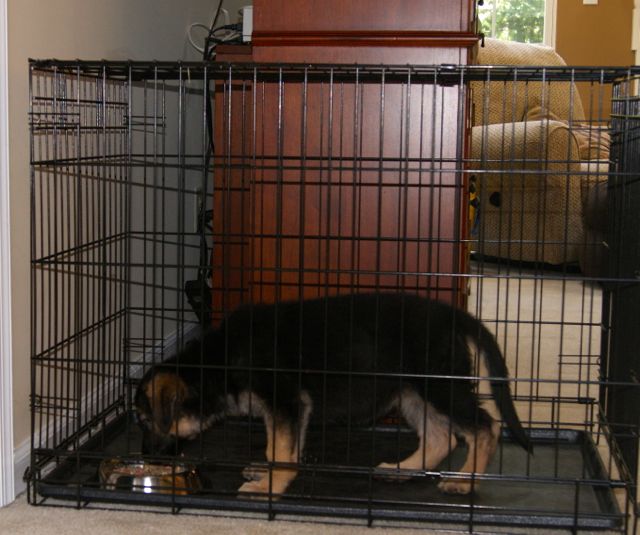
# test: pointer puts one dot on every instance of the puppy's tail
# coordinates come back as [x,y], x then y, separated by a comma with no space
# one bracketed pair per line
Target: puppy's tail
[497,368]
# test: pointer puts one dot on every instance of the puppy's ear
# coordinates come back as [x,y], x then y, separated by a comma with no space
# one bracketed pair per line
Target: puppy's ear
[166,392]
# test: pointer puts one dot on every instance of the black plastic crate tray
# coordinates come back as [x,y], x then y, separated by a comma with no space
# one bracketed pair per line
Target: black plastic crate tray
[563,484]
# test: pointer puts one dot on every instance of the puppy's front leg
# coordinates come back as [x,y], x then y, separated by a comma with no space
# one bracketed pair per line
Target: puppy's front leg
[281,448]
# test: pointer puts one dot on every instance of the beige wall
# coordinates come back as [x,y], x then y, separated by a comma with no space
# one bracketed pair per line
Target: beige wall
[68,29]
[595,34]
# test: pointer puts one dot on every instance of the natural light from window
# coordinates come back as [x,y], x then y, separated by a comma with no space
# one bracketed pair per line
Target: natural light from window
[513,20]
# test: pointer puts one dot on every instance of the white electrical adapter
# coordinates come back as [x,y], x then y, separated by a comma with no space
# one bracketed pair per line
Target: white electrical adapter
[247,23]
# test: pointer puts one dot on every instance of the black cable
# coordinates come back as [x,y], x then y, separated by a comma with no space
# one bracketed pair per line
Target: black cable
[202,306]
[214,19]
[198,291]
[211,42]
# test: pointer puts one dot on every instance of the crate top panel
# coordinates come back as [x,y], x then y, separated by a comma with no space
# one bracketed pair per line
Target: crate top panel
[136,71]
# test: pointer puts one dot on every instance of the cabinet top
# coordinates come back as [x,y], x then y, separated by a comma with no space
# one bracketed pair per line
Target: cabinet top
[363,15]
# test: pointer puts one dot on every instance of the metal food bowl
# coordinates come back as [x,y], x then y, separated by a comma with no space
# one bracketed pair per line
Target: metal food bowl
[142,476]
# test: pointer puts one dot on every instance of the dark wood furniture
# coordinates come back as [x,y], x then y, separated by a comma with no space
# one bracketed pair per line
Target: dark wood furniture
[327,187]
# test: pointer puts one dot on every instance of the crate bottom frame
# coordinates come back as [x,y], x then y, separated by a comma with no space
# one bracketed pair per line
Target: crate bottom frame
[598,508]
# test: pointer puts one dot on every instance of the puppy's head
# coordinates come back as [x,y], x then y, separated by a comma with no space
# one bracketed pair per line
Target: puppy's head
[161,403]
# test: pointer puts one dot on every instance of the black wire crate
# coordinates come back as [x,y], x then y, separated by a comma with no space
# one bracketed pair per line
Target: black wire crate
[396,294]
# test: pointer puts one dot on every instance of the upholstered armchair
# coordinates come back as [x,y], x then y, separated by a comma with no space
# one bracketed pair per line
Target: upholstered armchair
[535,159]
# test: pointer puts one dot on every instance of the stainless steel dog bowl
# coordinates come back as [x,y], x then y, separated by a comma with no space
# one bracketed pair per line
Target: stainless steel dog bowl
[140,476]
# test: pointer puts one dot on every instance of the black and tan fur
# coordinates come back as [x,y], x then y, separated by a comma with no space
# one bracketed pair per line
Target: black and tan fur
[347,359]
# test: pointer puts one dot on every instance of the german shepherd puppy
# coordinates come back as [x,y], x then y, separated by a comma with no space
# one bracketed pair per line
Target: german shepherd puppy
[351,358]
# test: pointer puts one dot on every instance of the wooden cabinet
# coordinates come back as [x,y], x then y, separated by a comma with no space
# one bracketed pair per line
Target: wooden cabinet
[332,179]
[364,31]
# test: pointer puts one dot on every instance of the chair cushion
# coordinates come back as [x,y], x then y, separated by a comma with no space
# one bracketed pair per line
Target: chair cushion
[529,181]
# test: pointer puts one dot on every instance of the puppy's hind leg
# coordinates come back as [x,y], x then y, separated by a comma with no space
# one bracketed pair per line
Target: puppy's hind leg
[434,432]
[481,442]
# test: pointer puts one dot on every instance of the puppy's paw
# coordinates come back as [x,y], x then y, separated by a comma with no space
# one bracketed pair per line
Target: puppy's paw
[456,486]
[256,490]
[254,472]
[391,472]
[274,484]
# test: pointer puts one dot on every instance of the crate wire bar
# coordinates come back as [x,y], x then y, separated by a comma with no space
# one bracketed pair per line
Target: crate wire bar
[463,184]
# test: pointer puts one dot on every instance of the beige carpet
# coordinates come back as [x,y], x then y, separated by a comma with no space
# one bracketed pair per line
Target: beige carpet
[20,518]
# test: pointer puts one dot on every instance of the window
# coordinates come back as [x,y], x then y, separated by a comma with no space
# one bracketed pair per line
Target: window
[527,21]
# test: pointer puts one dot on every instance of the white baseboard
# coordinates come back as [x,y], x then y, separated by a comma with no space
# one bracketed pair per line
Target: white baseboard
[22,453]
[21,460]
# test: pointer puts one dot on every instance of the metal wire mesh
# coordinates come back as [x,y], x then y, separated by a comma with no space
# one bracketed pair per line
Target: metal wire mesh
[505,191]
